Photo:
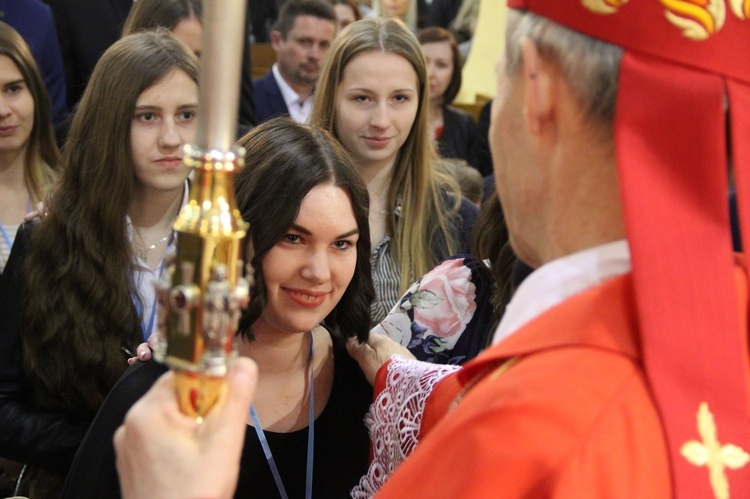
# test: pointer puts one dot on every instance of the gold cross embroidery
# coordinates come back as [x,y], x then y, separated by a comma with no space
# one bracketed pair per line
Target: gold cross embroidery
[711,454]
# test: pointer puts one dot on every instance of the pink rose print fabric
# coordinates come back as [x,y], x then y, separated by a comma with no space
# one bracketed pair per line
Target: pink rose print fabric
[444,317]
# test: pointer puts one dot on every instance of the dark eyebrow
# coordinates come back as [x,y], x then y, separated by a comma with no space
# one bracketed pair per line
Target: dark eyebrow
[308,233]
[149,107]
[15,82]
[348,234]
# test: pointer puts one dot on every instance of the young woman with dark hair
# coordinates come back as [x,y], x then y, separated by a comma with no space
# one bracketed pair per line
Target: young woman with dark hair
[454,131]
[309,246]
[184,18]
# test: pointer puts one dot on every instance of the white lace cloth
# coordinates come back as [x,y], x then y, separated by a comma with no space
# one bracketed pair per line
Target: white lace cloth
[395,417]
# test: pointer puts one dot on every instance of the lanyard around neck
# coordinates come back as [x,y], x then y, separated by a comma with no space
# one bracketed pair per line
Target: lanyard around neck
[310,438]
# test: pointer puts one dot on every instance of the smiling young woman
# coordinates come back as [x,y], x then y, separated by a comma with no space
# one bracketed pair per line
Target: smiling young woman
[309,246]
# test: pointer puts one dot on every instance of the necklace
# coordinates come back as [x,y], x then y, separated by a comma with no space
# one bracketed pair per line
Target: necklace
[143,252]
[310,438]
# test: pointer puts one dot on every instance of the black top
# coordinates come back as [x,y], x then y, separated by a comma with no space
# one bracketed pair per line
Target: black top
[484,159]
[341,441]
[459,136]
[442,12]
[44,438]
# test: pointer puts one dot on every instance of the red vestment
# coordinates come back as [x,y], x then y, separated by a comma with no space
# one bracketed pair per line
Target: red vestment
[571,417]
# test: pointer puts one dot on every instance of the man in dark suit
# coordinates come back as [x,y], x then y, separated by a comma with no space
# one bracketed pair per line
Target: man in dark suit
[301,37]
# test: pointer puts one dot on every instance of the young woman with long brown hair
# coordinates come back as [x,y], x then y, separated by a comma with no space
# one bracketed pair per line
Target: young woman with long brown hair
[83,281]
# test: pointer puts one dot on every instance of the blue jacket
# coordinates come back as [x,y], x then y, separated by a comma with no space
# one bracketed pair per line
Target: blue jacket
[267,98]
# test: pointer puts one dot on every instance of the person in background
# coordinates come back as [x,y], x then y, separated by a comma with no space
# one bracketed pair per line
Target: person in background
[309,247]
[82,292]
[441,13]
[264,14]
[28,160]
[28,154]
[463,25]
[453,130]
[35,23]
[468,178]
[301,37]
[347,11]
[373,95]
[405,10]
[182,17]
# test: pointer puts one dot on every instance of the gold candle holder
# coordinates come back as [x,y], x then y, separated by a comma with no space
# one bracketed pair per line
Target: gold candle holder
[202,292]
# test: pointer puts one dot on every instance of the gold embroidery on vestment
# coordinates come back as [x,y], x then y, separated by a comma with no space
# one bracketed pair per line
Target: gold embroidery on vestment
[709,452]
[492,371]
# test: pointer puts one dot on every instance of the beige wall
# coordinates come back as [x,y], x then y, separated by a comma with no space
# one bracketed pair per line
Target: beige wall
[489,38]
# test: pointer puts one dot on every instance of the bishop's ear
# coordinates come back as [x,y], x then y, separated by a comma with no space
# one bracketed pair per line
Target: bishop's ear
[538,85]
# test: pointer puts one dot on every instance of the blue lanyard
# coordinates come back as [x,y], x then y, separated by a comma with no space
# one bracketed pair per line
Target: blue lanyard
[310,438]
[146,330]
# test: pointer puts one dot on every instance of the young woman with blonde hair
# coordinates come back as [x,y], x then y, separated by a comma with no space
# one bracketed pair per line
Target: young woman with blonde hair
[373,95]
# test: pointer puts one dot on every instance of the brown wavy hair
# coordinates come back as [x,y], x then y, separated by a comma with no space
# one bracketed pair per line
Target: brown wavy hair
[284,161]
[79,310]
[42,155]
[423,190]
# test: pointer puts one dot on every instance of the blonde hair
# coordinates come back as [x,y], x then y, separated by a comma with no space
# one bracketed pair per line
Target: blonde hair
[421,189]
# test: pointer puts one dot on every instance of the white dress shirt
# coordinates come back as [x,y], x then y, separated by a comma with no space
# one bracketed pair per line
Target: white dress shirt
[558,280]
[299,110]
[144,277]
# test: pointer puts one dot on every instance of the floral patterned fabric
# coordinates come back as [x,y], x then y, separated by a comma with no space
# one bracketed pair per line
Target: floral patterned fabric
[446,316]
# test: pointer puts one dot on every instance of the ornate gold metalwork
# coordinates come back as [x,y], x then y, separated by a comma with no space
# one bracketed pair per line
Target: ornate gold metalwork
[492,371]
[202,291]
[709,452]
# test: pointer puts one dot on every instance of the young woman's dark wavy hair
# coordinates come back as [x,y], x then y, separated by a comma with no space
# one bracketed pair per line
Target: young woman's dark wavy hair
[79,311]
[284,161]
